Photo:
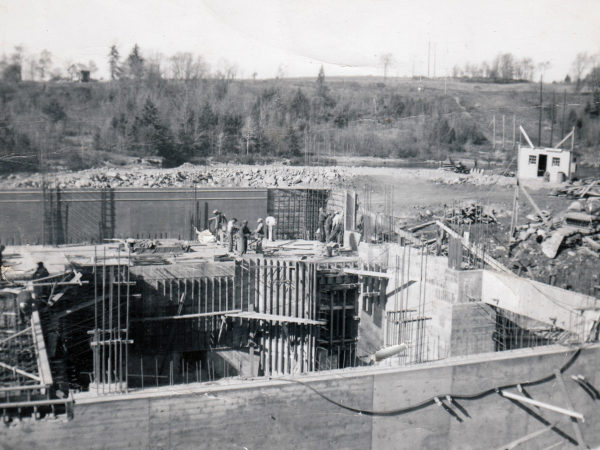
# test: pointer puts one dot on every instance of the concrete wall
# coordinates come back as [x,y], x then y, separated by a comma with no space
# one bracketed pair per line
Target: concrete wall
[551,305]
[143,213]
[280,414]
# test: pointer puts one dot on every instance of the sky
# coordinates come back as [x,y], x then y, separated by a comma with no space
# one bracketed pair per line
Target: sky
[296,37]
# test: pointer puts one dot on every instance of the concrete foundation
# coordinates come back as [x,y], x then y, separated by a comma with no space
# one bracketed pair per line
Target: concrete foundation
[288,414]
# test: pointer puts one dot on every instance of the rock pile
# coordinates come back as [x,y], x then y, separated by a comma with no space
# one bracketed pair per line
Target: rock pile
[188,175]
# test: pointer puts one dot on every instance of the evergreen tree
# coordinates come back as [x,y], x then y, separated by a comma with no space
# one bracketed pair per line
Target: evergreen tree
[113,62]
[292,141]
[135,63]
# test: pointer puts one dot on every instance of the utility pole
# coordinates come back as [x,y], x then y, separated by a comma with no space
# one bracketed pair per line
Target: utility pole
[494,133]
[514,131]
[428,57]
[552,119]
[562,127]
[541,107]
[503,132]
[434,57]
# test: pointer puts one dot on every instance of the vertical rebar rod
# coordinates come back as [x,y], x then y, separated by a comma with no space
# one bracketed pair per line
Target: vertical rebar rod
[127,323]
[103,337]
[119,345]
[96,348]
[110,326]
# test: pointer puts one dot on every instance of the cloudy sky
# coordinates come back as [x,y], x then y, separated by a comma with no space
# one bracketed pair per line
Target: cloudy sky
[347,37]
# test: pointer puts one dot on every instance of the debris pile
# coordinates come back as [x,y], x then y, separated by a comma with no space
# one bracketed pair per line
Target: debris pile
[588,187]
[471,213]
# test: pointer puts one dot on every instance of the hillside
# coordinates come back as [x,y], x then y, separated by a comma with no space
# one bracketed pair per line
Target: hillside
[80,125]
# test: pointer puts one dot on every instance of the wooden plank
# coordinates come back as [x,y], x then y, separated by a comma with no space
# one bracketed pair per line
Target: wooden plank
[17,334]
[576,427]
[544,405]
[366,273]
[534,204]
[45,375]
[269,317]
[187,316]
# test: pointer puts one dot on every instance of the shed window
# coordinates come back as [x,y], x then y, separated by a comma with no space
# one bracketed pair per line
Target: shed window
[556,162]
[532,159]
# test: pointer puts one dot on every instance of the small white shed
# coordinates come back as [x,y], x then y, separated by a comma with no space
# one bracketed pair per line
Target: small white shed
[536,162]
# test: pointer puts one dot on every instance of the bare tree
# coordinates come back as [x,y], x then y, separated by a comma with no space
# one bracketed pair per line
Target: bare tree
[542,67]
[580,65]
[386,60]
[185,67]
[44,62]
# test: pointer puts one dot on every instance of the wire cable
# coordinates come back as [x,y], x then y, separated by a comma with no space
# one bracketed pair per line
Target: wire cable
[431,400]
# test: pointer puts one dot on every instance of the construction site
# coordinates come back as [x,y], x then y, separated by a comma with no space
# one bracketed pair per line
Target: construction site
[141,318]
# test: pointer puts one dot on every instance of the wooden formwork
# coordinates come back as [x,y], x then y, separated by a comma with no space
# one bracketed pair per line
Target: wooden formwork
[279,298]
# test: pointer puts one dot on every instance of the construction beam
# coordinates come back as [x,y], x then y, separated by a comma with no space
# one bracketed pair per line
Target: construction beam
[275,318]
[365,273]
[20,372]
[526,438]
[534,204]
[576,427]
[40,349]
[475,250]
[565,139]
[19,333]
[33,403]
[524,133]
[544,405]
[187,316]
[420,226]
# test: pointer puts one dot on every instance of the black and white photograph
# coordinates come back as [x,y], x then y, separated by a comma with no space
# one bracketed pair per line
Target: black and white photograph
[299,224]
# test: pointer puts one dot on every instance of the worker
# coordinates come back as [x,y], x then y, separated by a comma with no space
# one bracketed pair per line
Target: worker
[243,235]
[259,234]
[40,273]
[217,223]
[337,228]
[26,305]
[328,226]
[322,219]
[231,230]
[2,247]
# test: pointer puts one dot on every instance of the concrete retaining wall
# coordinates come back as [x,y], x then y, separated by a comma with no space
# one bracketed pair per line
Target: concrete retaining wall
[263,415]
[143,213]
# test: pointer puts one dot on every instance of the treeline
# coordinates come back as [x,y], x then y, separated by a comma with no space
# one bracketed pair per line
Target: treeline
[176,109]
[505,67]
[192,115]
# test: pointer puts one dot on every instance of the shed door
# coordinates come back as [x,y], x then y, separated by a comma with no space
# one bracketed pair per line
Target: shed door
[542,162]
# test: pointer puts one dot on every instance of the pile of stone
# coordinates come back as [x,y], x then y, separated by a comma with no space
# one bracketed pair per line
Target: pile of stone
[187,175]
